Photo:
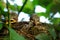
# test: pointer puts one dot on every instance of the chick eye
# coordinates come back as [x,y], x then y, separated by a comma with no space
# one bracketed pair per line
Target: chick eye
[11,20]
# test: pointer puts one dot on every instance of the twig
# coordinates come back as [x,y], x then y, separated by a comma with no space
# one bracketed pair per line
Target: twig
[22,7]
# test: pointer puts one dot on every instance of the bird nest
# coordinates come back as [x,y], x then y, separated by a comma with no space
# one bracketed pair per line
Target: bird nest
[28,29]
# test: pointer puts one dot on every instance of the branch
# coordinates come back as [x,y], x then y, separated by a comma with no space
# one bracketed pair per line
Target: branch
[22,7]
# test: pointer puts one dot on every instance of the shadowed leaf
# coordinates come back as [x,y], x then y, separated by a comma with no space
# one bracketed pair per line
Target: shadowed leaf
[15,36]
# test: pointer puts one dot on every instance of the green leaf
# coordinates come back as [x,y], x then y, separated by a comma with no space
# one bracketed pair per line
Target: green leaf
[43,3]
[2,5]
[5,14]
[42,36]
[35,2]
[1,25]
[41,14]
[29,5]
[28,8]
[56,7]
[55,21]
[52,33]
[15,8]
[14,35]
[57,27]
[48,9]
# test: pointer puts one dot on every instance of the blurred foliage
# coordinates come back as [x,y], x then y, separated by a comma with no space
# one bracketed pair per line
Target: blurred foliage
[51,6]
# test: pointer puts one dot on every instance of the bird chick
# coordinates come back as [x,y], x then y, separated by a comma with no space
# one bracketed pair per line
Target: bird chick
[13,18]
[35,19]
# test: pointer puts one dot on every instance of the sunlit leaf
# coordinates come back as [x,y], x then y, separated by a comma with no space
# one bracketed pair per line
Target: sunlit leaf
[35,2]
[28,7]
[41,14]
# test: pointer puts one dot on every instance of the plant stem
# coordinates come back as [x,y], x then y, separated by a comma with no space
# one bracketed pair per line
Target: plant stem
[22,7]
[9,24]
